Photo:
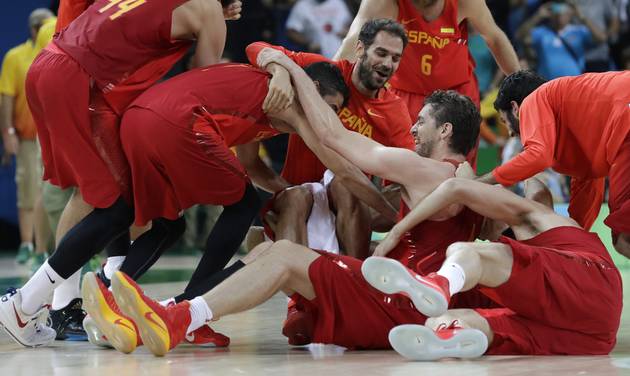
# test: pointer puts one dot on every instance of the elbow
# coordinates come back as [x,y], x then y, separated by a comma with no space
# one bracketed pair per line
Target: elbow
[454,187]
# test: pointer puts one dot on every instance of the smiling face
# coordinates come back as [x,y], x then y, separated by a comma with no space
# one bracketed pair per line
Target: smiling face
[379,61]
[426,132]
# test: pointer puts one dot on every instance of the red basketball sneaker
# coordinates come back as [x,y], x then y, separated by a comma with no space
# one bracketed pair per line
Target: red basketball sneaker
[206,337]
[298,326]
[429,294]
[419,342]
[161,328]
[118,329]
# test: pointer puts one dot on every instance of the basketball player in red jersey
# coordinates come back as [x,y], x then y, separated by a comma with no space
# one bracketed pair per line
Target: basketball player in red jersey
[556,289]
[330,286]
[579,126]
[437,56]
[177,136]
[372,111]
[77,88]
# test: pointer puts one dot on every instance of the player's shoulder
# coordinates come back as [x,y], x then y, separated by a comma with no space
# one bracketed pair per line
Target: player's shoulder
[20,50]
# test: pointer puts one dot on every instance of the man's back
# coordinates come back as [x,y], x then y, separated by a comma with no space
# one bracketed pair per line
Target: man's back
[112,40]
[587,121]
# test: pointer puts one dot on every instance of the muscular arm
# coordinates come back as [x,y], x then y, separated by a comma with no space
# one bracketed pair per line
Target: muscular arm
[300,58]
[368,10]
[211,34]
[261,175]
[477,12]
[490,201]
[349,175]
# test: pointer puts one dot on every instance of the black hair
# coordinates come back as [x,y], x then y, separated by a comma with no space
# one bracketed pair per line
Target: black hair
[330,79]
[516,87]
[451,107]
[373,27]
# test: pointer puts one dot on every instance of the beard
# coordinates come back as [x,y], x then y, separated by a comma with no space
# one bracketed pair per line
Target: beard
[515,125]
[425,149]
[366,74]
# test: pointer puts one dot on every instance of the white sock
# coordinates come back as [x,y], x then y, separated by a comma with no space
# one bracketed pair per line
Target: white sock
[167,302]
[27,244]
[112,265]
[455,275]
[200,313]
[36,292]
[68,290]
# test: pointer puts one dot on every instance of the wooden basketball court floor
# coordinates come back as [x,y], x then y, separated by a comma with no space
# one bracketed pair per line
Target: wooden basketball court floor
[259,348]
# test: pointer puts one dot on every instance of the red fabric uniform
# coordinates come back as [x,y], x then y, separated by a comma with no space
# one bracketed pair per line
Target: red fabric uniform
[383,119]
[345,304]
[69,10]
[177,135]
[579,126]
[564,296]
[436,57]
[102,61]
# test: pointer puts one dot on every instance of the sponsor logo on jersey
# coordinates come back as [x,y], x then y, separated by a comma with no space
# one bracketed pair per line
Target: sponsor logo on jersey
[447,30]
[355,123]
[422,37]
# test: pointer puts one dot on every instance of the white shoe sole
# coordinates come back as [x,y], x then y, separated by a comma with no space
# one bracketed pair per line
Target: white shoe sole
[418,342]
[94,334]
[391,277]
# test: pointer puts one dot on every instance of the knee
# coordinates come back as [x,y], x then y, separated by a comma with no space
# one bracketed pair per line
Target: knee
[174,229]
[294,200]
[456,248]
[120,215]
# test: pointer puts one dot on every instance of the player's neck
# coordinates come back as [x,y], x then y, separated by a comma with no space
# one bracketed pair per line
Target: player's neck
[429,10]
[443,154]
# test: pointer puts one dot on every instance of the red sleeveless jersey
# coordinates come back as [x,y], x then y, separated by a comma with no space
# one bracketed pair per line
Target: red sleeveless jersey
[384,119]
[437,55]
[423,249]
[113,40]
[227,97]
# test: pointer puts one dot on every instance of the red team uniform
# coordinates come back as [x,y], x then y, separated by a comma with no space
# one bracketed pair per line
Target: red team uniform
[563,297]
[80,84]
[345,304]
[436,57]
[579,126]
[383,119]
[177,138]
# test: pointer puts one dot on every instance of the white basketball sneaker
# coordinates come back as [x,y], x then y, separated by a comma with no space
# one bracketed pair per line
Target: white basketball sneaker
[418,342]
[27,330]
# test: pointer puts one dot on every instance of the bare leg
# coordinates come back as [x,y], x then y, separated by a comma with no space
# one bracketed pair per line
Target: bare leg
[489,264]
[74,212]
[353,221]
[280,266]
[25,219]
[43,231]
[292,208]
[467,318]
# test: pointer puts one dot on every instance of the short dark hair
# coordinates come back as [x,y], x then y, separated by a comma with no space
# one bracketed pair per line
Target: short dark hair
[373,27]
[451,107]
[330,79]
[516,87]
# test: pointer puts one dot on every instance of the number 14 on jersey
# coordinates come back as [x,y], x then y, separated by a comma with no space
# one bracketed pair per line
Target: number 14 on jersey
[124,6]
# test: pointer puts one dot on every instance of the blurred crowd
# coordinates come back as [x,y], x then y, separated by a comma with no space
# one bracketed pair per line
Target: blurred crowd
[555,38]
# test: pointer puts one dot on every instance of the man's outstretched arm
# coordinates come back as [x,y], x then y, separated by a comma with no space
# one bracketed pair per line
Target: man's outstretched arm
[490,201]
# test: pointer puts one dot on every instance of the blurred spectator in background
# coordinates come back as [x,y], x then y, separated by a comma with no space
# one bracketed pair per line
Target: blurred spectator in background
[560,45]
[19,133]
[605,15]
[319,25]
